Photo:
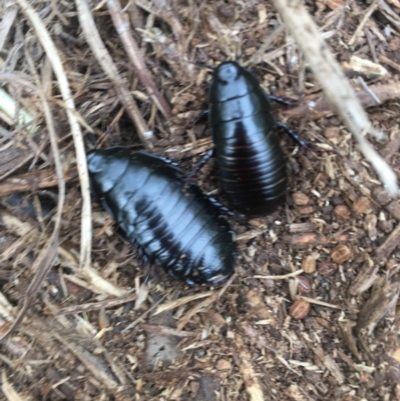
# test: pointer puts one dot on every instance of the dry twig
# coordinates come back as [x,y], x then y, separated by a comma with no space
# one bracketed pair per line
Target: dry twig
[389,62]
[314,106]
[105,60]
[391,242]
[208,301]
[383,298]
[29,233]
[108,303]
[46,258]
[365,278]
[335,85]
[181,301]
[90,361]
[308,239]
[321,303]
[250,379]
[121,24]
[365,18]
[34,180]
[56,63]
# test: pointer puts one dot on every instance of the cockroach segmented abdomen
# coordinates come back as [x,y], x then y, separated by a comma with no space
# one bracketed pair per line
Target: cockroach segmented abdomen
[182,232]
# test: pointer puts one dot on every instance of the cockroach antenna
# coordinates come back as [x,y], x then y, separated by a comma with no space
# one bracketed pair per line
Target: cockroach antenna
[200,65]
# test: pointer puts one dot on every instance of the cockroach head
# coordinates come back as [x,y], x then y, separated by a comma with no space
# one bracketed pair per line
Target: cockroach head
[227,72]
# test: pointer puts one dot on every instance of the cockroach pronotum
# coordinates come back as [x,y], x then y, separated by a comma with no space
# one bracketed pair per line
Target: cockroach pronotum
[183,232]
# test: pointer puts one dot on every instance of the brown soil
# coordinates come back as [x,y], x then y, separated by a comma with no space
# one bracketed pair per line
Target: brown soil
[311,312]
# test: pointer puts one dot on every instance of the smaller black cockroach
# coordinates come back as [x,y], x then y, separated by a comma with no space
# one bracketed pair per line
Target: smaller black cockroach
[181,231]
[251,163]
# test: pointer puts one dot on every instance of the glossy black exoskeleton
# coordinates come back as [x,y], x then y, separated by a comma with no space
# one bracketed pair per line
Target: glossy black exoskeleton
[251,164]
[182,232]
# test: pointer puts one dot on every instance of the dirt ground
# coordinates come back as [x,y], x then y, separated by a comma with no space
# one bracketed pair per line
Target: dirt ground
[311,312]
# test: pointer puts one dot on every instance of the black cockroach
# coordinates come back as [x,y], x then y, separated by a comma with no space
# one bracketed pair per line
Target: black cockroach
[251,164]
[183,232]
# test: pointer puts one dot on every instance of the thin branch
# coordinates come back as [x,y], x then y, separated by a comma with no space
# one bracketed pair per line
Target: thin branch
[57,65]
[334,83]
[103,57]
[93,306]
[367,15]
[121,24]
[47,255]
[315,106]
[34,180]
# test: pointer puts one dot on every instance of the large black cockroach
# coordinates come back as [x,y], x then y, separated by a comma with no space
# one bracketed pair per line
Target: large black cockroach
[251,164]
[183,232]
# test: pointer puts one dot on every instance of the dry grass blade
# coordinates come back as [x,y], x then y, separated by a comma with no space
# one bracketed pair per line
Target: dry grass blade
[13,160]
[46,258]
[93,281]
[164,9]
[92,362]
[108,303]
[207,302]
[181,301]
[321,303]
[141,318]
[105,60]
[260,52]
[132,50]
[56,63]
[174,52]
[196,309]
[43,264]
[29,233]
[335,85]
[8,389]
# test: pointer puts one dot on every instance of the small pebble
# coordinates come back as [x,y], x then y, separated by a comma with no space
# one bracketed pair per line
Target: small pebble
[361,205]
[340,254]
